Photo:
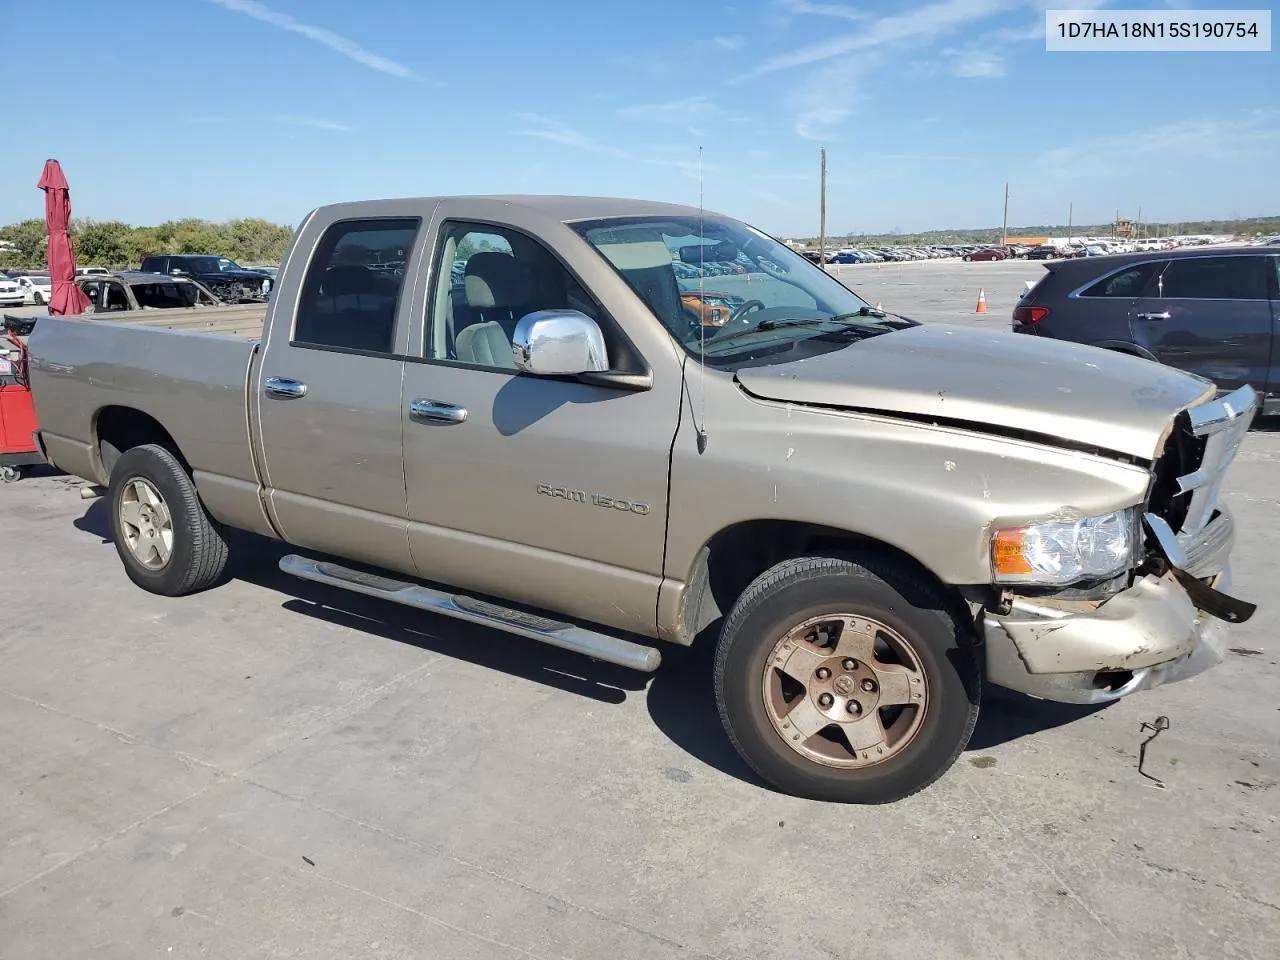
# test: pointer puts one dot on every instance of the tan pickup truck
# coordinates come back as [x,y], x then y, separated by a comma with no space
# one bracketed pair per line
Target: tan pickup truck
[501,409]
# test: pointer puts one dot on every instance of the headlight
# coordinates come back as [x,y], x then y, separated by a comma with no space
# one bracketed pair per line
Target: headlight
[1064,551]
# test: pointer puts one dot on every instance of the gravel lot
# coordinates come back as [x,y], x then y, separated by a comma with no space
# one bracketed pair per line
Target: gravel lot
[274,769]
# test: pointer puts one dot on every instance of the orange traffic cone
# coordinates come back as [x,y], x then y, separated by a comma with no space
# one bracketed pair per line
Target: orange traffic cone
[982,301]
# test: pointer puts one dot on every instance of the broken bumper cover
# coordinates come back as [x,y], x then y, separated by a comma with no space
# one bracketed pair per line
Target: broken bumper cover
[1146,636]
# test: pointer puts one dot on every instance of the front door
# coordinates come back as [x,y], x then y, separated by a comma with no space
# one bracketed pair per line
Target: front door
[328,398]
[1211,316]
[547,491]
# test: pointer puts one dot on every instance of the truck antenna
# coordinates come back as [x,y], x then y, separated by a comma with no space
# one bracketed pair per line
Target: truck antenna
[702,305]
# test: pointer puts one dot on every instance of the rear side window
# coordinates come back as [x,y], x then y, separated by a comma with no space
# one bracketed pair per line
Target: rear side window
[1214,278]
[1126,283]
[351,293]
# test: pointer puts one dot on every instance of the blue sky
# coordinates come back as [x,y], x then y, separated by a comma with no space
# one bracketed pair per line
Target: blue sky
[222,108]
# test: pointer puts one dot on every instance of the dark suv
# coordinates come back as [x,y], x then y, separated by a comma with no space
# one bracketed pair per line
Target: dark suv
[227,279]
[1212,312]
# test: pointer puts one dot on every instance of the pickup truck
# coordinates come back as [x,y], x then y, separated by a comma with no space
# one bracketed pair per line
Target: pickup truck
[227,279]
[527,427]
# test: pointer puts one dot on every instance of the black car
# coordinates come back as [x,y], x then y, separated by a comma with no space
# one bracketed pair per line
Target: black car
[226,278]
[1212,312]
[1044,252]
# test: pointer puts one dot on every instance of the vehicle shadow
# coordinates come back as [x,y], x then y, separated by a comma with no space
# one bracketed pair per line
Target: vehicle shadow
[679,696]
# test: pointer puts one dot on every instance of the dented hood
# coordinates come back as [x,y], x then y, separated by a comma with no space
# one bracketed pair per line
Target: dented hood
[1067,391]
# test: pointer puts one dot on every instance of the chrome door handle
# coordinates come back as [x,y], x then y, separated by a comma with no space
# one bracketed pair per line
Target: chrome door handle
[434,411]
[1154,316]
[282,388]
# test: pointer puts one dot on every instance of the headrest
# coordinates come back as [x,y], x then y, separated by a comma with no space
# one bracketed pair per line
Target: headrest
[494,279]
[348,280]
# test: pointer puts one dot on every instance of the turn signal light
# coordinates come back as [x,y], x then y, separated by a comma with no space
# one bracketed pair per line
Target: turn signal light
[1029,315]
[1007,554]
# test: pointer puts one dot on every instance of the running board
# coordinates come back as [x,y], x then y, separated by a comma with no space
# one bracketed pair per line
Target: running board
[599,646]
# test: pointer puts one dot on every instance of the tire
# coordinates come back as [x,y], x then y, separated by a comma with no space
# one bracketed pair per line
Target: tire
[196,555]
[871,587]
[39,299]
[967,258]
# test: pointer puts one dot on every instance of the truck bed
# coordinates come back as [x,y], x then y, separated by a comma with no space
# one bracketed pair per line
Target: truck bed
[242,321]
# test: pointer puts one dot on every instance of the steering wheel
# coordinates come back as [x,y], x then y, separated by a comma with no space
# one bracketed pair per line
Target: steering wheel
[737,320]
[743,310]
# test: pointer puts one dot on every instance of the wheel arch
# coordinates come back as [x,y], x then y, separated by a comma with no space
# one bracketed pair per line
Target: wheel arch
[117,428]
[733,557]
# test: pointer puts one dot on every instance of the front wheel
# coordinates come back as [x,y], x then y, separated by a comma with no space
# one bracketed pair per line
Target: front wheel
[39,299]
[849,680]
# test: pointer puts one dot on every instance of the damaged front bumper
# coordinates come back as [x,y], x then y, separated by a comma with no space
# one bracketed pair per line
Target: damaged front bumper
[1171,623]
[1146,636]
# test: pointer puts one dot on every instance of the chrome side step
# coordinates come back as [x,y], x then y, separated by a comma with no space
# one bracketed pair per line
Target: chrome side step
[599,646]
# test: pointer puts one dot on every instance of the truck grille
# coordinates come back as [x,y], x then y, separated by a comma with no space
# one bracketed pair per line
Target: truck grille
[1189,474]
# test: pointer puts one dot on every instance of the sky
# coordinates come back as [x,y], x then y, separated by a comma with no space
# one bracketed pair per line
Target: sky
[161,109]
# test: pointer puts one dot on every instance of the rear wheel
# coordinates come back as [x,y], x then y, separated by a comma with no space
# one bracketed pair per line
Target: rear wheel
[167,542]
[39,299]
[847,679]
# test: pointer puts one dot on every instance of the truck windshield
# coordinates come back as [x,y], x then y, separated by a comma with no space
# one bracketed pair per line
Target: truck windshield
[725,289]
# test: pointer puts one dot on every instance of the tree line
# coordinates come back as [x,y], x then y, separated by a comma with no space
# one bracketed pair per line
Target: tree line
[110,243]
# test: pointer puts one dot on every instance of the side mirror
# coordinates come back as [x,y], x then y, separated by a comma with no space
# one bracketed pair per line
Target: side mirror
[552,343]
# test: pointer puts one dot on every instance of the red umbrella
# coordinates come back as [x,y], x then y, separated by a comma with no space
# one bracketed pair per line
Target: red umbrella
[66,296]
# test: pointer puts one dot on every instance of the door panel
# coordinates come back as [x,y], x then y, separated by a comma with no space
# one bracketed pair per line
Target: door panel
[328,396]
[551,493]
[333,456]
[1209,316]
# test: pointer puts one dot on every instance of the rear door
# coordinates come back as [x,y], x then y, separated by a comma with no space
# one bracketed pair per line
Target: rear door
[328,393]
[1211,316]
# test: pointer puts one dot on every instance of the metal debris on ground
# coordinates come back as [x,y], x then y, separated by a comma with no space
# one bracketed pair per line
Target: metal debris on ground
[1157,727]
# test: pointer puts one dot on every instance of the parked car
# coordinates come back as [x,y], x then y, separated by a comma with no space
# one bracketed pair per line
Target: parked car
[227,279]
[1212,313]
[866,521]
[1044,252]
[992,253]
[92,271]
[11,294]
[36,288]
[132,290]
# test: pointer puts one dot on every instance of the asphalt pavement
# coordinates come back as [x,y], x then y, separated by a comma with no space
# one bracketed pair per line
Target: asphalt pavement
[277,769]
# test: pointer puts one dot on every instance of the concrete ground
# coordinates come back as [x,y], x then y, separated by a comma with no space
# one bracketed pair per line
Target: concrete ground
[275,769]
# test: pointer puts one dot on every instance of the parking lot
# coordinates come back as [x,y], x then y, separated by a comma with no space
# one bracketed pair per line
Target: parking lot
[277,769]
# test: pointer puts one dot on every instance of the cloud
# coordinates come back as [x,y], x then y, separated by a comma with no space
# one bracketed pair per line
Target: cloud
[974,61]
[685,111]
[838,11]
[318,124]
[340,44]
[548,128]
[1195,139]
[658,155]
[830,96]
[734,42]
[922,24]
[927,157]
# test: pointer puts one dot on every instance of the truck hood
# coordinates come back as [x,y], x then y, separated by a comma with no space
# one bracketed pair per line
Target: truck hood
[1006,382]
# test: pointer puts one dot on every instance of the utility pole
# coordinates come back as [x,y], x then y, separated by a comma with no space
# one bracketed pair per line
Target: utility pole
[1139,230]
[1004,230]
[822,214]
[1071,212]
